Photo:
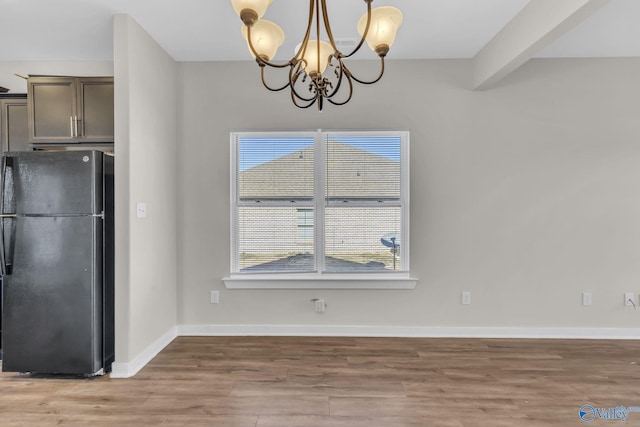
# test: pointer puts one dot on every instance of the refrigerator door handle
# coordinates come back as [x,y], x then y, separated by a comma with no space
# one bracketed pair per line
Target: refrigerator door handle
[3,260]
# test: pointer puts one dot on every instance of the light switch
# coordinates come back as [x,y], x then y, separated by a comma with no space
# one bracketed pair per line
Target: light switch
[215,297]
[141,210]
[466,298]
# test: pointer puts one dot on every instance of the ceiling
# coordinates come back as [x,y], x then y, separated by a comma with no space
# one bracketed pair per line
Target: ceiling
[209,30]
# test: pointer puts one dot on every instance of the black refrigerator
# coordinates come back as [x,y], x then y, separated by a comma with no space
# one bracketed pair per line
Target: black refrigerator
[56,259]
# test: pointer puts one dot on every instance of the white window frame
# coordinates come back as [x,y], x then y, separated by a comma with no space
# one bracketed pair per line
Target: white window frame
[321,279]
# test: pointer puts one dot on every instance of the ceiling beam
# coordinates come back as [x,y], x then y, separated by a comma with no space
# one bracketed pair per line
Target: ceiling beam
[536,26]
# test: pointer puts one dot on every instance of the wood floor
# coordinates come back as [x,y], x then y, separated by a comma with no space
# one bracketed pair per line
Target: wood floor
[343,382]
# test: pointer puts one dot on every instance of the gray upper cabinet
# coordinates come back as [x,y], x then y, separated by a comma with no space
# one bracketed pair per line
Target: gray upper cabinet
[70,110]
[14,133]
[96,109]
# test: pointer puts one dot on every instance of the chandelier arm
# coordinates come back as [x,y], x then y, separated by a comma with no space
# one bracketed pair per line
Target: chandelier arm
[300,97]
[303,46]
[264,81]
[303,106]
[349,77]
[327,26]
[343,70]
[318,59]
[364,82]
[364,33]
[293,78]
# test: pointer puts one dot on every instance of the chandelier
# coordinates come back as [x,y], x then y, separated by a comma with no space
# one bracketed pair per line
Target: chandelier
[317,71]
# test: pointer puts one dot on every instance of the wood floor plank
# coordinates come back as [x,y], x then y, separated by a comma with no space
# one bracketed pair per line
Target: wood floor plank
[436,409]
[336,382]
[333,421]
[325,387]
[109,420]
[254,405]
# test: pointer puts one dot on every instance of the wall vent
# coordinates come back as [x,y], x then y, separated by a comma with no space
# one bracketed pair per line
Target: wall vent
[346,43]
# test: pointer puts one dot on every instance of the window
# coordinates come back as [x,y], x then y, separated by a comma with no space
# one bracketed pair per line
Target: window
[305,226]
[320,203]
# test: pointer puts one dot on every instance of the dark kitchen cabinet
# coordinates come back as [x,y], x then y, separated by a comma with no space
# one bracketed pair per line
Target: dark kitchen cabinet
[70,110]
[14,131]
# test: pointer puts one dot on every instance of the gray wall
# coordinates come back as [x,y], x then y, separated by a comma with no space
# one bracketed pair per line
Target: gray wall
[145,150]
[526,194]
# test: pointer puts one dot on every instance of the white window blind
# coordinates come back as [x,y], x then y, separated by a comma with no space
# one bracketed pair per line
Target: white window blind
[362,168]
[275,178]
[325,202]
[363,199]
[275,169]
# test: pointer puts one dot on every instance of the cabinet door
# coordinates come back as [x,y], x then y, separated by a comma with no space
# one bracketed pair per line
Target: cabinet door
[14,130]
[52,109]
[95,109]
[17,128]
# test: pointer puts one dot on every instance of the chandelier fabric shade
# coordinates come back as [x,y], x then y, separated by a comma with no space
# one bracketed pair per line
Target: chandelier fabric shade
[317,71]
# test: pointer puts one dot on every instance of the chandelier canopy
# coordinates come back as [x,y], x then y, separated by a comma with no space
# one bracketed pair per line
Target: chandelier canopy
[317,71]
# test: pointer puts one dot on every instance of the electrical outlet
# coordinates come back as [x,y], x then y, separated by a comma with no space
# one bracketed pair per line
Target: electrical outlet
[141,210]
[586,298]
[319,305]
[215,297]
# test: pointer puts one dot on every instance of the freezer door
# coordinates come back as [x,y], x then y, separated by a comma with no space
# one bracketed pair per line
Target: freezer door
[53,183]
[52,305]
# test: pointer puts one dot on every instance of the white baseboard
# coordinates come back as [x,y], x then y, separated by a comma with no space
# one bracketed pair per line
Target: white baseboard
[408,331]
[126,370]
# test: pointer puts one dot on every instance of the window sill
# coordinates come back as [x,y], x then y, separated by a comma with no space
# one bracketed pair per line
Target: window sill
[320,281]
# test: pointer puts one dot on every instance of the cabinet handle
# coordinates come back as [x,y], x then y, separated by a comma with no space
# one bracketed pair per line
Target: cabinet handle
[71,125]
[76,117]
